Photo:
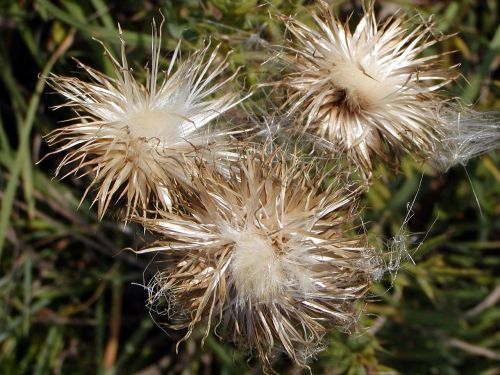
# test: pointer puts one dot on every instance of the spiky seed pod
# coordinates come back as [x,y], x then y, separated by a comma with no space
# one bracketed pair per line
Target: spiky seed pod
[132,136]
[265,256]
[360,91]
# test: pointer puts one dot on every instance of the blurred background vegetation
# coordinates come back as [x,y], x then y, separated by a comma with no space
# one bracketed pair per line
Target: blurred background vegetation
[70,302]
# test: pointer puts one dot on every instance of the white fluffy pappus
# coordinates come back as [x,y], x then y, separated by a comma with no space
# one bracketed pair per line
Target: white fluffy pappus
[366,92]
[132,137]
[263,256]
[468,135]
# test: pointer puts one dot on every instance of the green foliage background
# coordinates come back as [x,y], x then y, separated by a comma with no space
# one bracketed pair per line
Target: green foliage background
[69,303]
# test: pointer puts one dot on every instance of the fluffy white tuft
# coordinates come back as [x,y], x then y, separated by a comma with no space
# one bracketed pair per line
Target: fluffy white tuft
[468,135]
[260,272]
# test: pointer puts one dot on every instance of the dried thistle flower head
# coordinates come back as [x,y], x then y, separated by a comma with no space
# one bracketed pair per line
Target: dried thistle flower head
[131,136]
[264,256]
[361,91]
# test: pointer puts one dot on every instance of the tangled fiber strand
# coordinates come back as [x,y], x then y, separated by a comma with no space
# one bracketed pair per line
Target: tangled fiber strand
[365,92]
[469,135]
[132,137]
[264,256]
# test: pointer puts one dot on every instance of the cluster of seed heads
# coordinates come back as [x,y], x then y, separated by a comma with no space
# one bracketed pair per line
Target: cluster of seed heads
[255,228]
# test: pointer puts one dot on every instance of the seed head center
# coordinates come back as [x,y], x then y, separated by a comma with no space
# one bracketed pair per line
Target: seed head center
[161,124]
[256,267]
[361,89]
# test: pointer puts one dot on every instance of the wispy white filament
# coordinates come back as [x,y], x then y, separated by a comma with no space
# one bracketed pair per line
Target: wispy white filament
[469,134]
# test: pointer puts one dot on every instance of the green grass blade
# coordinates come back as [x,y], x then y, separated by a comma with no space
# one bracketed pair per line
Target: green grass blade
[10,191]
[101,33]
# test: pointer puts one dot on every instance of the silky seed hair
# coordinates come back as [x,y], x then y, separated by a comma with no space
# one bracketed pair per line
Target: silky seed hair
[264,257]
[469,134]
[365,93]
[132,137]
